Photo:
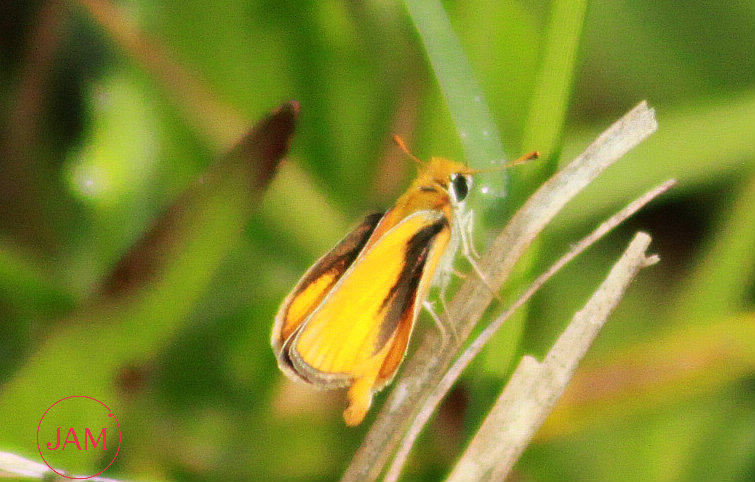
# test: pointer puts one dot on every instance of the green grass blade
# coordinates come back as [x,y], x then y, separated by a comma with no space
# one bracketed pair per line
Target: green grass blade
[153,290]
[717,284]
[27,287]
[555,77]
[553,87]
[543,132]
[472,118]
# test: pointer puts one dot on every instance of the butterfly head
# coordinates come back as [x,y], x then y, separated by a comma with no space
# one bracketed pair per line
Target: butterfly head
[453,178]
[440,175]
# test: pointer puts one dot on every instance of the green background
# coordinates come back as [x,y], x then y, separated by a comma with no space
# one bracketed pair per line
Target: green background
[108,114]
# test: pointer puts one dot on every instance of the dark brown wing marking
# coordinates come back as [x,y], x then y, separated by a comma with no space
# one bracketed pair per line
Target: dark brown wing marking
[318,281]
[401,296]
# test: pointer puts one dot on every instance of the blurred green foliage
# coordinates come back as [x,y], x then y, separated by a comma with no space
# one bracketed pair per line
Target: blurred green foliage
[99,136]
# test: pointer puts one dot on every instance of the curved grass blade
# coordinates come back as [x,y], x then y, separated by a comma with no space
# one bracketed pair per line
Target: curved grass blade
[153,289]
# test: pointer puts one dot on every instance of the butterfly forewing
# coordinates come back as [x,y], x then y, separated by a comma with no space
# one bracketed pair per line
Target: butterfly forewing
[355,327]
[318,281]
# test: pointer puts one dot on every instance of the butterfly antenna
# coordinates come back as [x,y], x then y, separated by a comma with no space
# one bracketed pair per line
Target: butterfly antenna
[525,158]
[402,145]
[530,156]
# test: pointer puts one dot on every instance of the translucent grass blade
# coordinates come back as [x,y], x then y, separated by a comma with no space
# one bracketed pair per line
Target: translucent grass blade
[472,118]
[553,87]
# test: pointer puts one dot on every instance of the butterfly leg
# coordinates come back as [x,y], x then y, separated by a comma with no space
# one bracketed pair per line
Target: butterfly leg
[447,330]
[466,228]
[445,323]
[445,279]
[467,250]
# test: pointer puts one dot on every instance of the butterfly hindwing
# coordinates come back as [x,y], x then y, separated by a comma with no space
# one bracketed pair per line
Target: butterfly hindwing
[317,282]
[365,320]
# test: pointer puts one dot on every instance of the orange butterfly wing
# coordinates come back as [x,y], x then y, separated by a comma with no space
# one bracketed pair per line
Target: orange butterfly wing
[316,283]
[358,334]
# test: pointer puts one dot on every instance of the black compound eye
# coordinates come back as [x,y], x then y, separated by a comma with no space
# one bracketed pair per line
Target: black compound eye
[460,186]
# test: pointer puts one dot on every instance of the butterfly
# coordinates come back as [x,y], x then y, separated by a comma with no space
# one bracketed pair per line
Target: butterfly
[348,320]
